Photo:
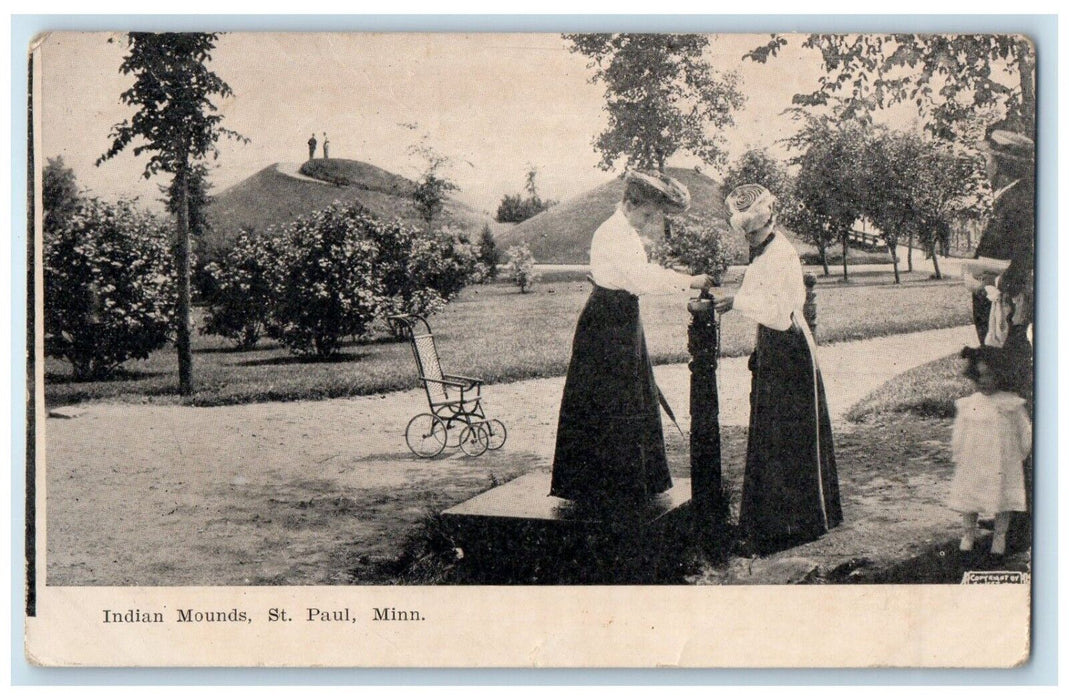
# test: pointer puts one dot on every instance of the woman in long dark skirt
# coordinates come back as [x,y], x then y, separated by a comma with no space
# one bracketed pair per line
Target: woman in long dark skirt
[610,444]
[790,490]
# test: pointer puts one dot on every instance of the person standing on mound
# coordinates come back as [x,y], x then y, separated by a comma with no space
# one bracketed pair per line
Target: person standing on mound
[790,490]
[610,444]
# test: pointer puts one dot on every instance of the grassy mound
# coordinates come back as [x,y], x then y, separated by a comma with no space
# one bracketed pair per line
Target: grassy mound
[561,235]
[270,197]
[928,391]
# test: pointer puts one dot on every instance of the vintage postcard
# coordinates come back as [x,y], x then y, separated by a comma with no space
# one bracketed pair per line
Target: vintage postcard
[531,350]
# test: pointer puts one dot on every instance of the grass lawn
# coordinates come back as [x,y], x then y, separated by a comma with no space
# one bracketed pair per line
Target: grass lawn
[928,391]
[496,333]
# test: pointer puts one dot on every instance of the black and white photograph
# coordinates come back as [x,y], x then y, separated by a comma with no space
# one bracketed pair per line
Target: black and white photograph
[364,317]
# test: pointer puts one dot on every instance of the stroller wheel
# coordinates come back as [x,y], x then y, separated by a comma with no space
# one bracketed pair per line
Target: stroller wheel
[426,435]
[495,433]
[474,440]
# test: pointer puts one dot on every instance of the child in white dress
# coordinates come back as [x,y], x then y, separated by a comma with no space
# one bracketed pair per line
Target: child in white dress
[991,438]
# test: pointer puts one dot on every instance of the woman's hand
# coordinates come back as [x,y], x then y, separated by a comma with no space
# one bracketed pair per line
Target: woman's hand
[701,282]
[724,303]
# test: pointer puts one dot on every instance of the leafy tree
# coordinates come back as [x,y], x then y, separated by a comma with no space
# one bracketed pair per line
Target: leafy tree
[488,254]
[109,287]
[758,167]
[521,267]
[199,225]
[892,160]
[433,185]
[60,194]
[948,76]
[430,194]
[922,187]
[950,186]
[178,124]
[661,96]
[828,196]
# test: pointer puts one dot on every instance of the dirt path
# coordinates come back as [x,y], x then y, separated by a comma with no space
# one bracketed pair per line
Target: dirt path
[294,170]
[311,492]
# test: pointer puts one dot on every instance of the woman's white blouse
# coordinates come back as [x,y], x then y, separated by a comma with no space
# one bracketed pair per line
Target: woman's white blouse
[772,287]
[618,261]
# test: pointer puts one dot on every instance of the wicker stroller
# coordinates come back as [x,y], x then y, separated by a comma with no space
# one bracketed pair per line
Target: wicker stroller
[456,417]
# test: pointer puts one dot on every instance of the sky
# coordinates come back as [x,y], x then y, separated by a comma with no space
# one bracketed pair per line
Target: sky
[493,103]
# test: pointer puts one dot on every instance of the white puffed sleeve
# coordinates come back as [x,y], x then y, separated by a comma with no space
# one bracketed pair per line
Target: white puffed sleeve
[772,287]
[618,261]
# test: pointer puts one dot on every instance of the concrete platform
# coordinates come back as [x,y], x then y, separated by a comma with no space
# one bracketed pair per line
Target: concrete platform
[517,533]
[527,498]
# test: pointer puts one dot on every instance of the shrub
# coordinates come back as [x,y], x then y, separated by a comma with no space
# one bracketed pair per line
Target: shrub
[489,257]
[241,283]
[420,270]
[521,267]
[515,208]
[327,286]
[110,291]
[697,242]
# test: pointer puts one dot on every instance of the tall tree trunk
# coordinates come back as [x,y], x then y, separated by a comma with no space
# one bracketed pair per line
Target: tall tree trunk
[909,252]
[183,316]
[1027,68]
[824,258]
[935,262]
[892,248]
[846,276]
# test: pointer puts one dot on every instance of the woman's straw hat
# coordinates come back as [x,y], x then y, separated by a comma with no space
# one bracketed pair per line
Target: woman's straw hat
[750,207]
[658,187]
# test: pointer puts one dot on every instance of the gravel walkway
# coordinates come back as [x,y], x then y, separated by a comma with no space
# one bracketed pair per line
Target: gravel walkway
[289,492]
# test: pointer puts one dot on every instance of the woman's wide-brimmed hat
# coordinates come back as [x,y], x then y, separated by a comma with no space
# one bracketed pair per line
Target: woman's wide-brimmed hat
[750,208]
[660,188]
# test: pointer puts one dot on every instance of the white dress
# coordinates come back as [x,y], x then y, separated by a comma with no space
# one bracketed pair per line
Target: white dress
[992,436]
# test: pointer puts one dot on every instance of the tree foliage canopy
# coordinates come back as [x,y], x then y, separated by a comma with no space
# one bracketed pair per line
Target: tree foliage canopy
[757,166]
[59,192]
[176,120]
[947,76]
[661,96]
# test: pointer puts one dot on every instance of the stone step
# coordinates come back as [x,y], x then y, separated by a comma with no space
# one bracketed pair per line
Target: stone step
[517,533]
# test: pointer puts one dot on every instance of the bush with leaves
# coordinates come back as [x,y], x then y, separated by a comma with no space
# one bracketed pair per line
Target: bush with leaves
[489,257]
[521,267]
[327,287]
[239,307]
[61,194]
[698,243]
[515,208]
[419,270]
[110,288]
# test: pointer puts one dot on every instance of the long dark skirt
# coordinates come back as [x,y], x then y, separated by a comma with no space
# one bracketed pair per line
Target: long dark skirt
[610,445]
[790,490]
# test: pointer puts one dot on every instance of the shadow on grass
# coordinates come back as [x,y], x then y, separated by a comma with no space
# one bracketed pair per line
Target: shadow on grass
[120,375]
[304,360]
[235,349]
